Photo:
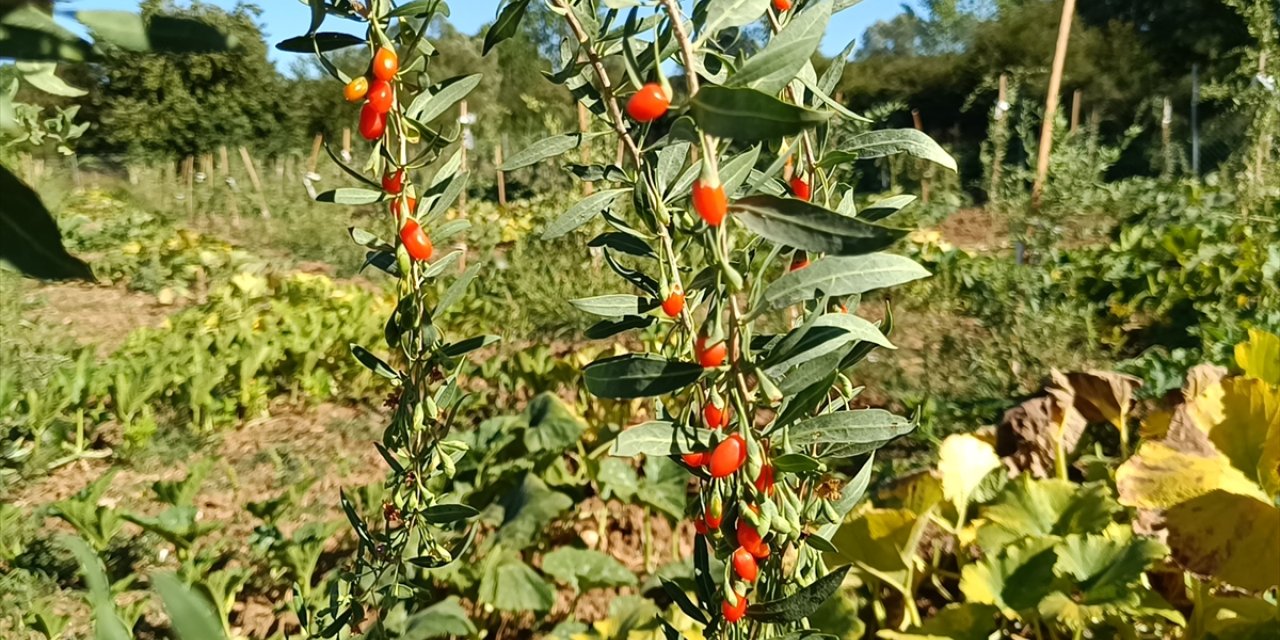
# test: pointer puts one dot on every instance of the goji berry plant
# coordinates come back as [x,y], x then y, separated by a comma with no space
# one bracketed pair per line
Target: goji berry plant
[399,100]
[722,197]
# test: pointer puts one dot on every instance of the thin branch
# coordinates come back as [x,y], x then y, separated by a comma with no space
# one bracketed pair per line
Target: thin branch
[606,86]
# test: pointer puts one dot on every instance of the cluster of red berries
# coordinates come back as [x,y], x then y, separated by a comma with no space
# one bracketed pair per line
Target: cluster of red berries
[379,94]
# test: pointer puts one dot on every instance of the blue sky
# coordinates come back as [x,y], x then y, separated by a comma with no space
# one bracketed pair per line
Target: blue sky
[284,18]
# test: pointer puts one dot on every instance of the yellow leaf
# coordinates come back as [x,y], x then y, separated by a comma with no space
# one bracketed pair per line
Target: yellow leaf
[1159,477]
[964,461]
[1251,411]
[1259,358]
[1229,536]
[1206,408]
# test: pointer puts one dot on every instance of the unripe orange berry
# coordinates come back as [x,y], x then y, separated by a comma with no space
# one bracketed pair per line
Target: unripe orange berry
[782,5]
[356,90]
[801,189]
[732,614]
[372,123]
[710,202]
[674,303]
[386,64]
[728,457]
[401,207]
[415,241]
[715,514]
[649,103]
[745,565]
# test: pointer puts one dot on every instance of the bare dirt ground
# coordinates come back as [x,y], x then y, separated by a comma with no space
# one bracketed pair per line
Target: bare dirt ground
[96,314]
[975,230]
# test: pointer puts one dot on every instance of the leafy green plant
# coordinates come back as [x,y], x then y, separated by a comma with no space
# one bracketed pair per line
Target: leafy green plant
[767,479]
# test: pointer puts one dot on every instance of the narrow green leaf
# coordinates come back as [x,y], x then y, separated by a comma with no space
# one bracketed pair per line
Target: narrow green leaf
[323,41]
[615,306]
[157,34]
[351,196]
[448,513]
[191,615]
[430,105]
[582,212]
[638,376]
[374,363]
[842,276]
[770,70]
[29,237]
[543,149]
[749,115]
[887,142]
[609,328]
[723,14]
[506,25]
[795,223]
[802,604]
[624,242]
[882,209]
[659,438]
[845,434]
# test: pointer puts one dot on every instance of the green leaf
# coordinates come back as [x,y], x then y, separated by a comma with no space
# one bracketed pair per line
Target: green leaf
[801,604]
[825,334]
[582,212]
[41,76]
[514,586]
[585,569]
[191,615]
[106,617]
[554,426]
[31,34]
[1015,578]
[323,41]
[841,276]
[543,149]
[966,621]
[374,363]
[527,511]
[795,223]
[878,144]
[796,463]
[615,306]
[29,238]
[351,196]
[157,34]
[624,242]
[682,600]
[448,513]
[442,619]
[506,25]
[723,14]
[430,105]
[749,115]
[845,434]
[659,438]
[1045,509]
[457,288]
[770,70]
[420,9]
[885,208]
[463,347]
[638,376]
[609,328]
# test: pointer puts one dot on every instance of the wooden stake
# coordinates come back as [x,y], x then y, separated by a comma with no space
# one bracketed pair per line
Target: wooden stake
[189,168]
[224,162]
[924,167]
[257,184]
[1166,136]
[997,155]
[346,144]
[502,177]
[1051,102]
[584,125]
[315,153]
[462,117]
[1076,100]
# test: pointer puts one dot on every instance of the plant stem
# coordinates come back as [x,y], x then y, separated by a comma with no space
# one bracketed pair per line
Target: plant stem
[606,86]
